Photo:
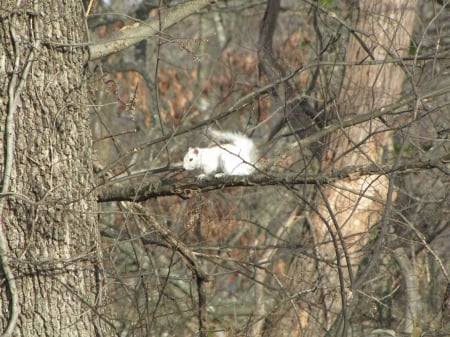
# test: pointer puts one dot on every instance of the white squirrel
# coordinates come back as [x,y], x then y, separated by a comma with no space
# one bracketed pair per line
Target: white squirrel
[234,154]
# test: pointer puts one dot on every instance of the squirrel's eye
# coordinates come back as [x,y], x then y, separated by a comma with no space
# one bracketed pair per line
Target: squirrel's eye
[191,159]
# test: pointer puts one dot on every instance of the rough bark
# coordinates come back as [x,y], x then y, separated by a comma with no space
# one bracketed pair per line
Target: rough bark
[47,213]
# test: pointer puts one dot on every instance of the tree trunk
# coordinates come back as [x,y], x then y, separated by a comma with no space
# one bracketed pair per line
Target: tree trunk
[49,237]
[352,207]
[347,210]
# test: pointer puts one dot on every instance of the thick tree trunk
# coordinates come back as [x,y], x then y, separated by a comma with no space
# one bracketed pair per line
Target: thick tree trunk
[50,263]
[350,208]
[347,210]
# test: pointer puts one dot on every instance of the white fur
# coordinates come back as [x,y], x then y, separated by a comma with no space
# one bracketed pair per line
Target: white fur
[236,157]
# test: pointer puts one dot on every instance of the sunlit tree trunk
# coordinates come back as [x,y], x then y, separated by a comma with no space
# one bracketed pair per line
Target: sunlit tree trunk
[347,210]
[350,208]
[50,267]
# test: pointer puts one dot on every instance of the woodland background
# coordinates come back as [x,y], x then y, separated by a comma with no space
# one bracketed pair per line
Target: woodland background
[344,230]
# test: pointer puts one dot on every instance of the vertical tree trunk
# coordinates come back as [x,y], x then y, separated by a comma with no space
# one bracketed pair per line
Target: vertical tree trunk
[349,208]
[50,260]
[354,206]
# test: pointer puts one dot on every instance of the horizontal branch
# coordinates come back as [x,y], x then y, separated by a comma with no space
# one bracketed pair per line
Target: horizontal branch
[185,188]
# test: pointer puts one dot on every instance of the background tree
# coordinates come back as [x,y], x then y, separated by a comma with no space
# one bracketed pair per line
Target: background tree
[346,211]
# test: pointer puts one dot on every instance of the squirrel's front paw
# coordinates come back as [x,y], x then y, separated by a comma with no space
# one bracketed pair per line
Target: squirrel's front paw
[219,175]
[201,176]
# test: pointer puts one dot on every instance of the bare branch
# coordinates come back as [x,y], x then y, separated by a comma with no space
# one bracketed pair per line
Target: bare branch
[131,36]
[185,188]
[261,273]
[411,288]
[189,257]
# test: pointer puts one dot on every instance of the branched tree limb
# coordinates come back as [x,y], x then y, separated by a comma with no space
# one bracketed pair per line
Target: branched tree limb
[237,106]
[191,261]
[185,188]
[133,35]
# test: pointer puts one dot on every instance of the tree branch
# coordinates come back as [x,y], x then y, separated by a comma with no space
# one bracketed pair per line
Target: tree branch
[191,261]
[257,329]
[185,188]
[138,32]
[411,288]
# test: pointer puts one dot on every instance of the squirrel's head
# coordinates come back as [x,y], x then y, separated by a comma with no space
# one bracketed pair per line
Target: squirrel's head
[191,159]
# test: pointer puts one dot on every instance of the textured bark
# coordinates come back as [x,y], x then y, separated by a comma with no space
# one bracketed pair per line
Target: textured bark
[48,215]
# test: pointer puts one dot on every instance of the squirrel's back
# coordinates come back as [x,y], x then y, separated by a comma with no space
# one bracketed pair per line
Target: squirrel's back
[239,140]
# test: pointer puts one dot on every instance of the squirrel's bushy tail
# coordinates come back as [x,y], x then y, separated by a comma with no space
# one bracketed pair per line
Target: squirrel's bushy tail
[236,138]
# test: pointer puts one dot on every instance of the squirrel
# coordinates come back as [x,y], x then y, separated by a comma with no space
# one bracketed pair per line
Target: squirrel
[234,154]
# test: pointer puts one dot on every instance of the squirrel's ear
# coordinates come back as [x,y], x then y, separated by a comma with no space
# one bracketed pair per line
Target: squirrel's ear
[190,148]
